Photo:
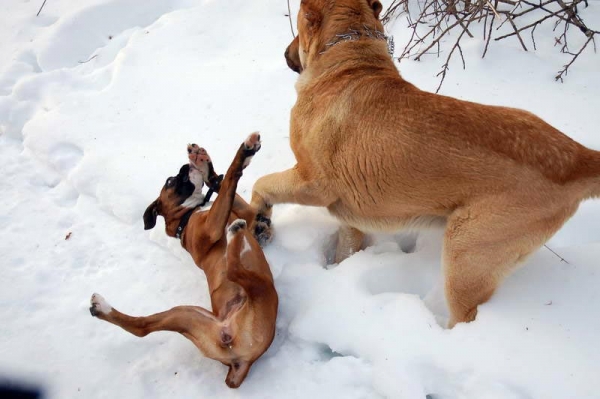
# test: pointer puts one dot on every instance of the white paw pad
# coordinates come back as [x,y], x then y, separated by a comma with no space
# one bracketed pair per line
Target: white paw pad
[99,305]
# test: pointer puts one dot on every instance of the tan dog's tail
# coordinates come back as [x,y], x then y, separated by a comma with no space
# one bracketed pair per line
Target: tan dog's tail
[589,172]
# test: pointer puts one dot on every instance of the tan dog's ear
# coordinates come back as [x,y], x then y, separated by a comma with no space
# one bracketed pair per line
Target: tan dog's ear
[311,14]
[313,18]
[376,7]
[150,215]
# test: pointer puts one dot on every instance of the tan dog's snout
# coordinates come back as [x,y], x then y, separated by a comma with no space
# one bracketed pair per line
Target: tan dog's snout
[292,56]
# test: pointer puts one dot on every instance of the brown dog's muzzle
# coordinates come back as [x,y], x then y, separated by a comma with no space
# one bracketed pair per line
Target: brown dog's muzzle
[292,56]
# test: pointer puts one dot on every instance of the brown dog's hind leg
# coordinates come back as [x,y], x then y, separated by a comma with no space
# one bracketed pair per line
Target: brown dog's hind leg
[194,322]
[235,240]
[237,246]
[349,241]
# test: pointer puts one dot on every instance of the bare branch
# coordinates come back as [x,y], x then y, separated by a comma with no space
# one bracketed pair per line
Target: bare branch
[40,10]
[290,18]
[565,69]
[436,20]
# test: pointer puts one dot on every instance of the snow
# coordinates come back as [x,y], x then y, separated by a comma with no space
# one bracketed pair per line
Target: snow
[97,102]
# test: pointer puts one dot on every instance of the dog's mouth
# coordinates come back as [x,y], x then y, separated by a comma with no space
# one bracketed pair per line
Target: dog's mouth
[292,58]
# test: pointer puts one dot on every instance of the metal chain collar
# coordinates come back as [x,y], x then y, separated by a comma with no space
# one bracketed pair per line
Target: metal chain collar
[354,34]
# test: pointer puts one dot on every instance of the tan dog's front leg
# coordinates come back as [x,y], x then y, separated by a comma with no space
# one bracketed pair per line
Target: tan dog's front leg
[349,241]
[285,187]
[288,187]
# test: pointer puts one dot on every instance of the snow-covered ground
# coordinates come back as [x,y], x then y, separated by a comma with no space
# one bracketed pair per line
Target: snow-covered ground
[98,99]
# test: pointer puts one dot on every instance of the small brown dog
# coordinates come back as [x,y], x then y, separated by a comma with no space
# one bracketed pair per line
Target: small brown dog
[241,326]
[381,154]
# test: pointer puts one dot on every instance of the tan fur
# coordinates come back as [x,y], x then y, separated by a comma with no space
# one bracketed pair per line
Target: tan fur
[241,326]
[381,154]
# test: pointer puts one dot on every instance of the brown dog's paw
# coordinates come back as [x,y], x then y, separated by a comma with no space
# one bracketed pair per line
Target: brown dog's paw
[199,159]
[252,142]
[251,145]
[100,308]
[234,227]
[197,154]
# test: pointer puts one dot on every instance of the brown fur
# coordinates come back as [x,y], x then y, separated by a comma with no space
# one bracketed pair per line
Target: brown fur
[241,326]
[381,154]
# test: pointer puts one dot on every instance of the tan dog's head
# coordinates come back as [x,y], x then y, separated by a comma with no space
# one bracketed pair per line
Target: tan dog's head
[319,21]
[171,203]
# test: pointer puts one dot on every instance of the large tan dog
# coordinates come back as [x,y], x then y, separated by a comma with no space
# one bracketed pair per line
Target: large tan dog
[241,325]
[381,154]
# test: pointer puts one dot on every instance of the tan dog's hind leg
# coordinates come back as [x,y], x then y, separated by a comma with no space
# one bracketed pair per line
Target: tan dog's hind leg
[484,243]
[349,241]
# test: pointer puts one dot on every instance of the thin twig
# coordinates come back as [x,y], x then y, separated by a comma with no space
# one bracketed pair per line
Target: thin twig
[392,10]
[290,18]
[433,21]
[517,32]
[559,257]
[565,69]
[417,58]
[489,36]
[88,60]
[445,67]
[533,8]
[539,21]
[533,38]
[493,8]
[40,10]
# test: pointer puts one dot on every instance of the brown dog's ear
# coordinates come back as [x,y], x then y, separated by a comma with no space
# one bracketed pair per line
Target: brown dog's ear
[150,215]
[237,373]
[376,7]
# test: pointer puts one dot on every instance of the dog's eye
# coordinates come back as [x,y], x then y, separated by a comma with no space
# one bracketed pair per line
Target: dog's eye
[186,178]
[170,181]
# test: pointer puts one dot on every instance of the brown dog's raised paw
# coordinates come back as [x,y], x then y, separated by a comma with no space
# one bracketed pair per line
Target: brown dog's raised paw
[199,159]
[251,146]
[252,142]
[100,307]
[197,155]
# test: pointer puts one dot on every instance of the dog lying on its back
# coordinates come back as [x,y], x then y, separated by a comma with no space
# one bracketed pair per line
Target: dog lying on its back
[241,326]
[381,154]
